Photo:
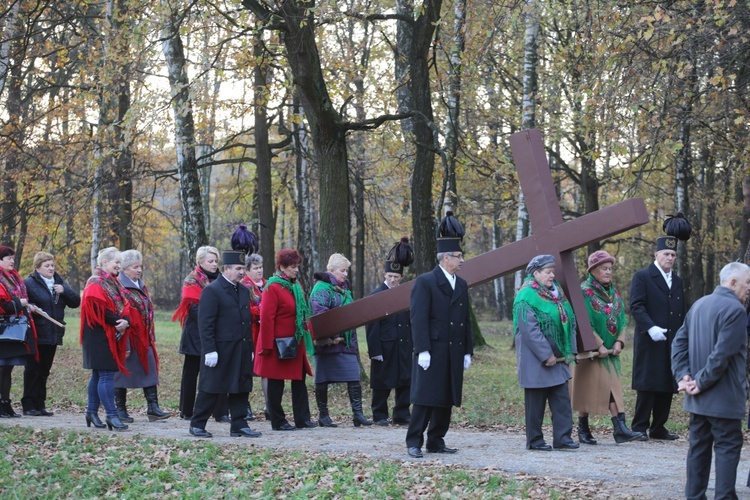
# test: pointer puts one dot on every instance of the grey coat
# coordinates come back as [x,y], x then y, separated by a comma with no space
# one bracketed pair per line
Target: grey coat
[532,350]
[711,347]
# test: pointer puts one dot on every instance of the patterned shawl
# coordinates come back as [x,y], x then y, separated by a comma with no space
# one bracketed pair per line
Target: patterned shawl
[300,303]
[607,315]
[256,294]
[103,292]
[12,283]
[192,288]
[141,329]
[332,295]
[553,314]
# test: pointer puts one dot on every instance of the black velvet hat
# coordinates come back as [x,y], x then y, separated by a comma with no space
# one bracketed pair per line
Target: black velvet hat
[450,234]
[232,257]
[677,228]
[666,243]
[400,256]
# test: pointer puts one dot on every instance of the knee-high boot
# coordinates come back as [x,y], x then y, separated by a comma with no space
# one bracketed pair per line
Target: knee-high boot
[154,412]
[321,397]
[355,397]
[121,395]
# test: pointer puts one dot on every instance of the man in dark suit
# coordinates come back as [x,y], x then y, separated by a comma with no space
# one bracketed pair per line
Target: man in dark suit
[443,346]
[226,341]
[708,361]
[657,304]
[390,350]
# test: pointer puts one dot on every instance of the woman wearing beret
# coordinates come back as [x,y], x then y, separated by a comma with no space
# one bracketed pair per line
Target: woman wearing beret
[596,383]
[545,330]
[49,292]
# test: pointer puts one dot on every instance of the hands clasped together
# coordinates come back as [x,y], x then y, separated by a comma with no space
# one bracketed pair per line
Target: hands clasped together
[688,385]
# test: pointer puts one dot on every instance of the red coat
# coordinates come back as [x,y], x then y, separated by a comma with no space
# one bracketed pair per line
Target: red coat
[277,319]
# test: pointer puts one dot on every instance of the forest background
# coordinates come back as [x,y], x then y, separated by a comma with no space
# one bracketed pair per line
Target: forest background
[340,126]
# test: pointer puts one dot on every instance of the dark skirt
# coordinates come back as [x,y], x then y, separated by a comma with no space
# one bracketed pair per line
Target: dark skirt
[138,377]
[14,361]
[336,367]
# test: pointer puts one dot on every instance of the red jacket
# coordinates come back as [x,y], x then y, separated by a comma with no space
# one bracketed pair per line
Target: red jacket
[277,319]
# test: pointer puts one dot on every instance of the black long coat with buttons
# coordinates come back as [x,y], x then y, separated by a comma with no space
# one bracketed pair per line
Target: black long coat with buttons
[653,303]
[440,324]
[225,327]
[390,337]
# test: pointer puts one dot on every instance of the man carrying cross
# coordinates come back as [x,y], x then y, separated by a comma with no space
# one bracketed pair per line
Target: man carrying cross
[443,343]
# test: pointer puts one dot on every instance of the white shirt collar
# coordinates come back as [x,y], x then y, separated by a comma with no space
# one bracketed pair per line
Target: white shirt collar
[451,277]
[667,276]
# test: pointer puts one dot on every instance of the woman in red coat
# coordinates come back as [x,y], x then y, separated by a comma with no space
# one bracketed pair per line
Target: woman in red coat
[284,313]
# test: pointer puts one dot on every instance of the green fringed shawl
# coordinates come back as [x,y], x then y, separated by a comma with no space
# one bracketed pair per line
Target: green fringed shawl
[553,314]
[303,308]
[330,290]
[607,315]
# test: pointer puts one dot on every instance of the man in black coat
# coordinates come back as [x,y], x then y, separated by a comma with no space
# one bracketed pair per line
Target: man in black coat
[390,349]
[657,303]
[443,345]
[227,348]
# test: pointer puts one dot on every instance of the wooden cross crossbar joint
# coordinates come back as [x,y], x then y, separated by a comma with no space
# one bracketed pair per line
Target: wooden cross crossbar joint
[551,235]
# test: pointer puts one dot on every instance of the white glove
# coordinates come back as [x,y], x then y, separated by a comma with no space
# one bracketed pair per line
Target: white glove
[467,361]
[657,333]
[423,359]
[379,357]
[211,359]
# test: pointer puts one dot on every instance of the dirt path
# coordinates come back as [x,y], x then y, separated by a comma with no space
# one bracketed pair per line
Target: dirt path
[653,469]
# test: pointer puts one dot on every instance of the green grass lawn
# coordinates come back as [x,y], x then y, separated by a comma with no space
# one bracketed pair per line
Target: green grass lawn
[63,463]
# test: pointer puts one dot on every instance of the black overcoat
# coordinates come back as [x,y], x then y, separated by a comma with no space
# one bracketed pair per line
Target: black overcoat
[653,303]
[390,337]
[47,333]
[440,324]
[225,327]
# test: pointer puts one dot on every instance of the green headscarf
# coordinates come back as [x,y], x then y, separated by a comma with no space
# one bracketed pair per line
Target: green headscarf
[301,305]
[607,315]
[553,314]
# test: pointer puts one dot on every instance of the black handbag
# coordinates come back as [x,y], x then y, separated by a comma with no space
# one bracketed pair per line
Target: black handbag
[286,347]
[14,329]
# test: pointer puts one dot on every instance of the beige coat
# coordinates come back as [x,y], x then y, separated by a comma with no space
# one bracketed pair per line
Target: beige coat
[593,384]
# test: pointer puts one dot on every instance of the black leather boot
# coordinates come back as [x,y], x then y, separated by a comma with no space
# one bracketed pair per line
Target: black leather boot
[8,409]
[321,397]
[115,423]
[621,432]
[121,395]
[584,431]
[154,413]
[355,397]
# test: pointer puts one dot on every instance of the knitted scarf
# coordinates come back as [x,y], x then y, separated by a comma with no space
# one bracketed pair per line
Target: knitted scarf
[142,324]
[300,303]
[192,287]
[326,293]
[554,315]
[607,315]
[103,292]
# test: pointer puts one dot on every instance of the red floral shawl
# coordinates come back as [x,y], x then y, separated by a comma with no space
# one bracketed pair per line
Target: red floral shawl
[256,293]
[13,287]
[141,329]
[103,292]
[192,288]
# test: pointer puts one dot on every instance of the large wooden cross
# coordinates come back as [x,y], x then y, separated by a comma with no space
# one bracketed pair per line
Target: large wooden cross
[551,235]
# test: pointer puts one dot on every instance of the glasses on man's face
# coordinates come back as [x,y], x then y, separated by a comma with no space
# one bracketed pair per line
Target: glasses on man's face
[459,256]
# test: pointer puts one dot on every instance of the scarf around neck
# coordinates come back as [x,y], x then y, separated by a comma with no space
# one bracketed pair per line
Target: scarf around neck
[554,315]
[192,287]
[333,292]
[13,283]
[300,304]
[607,315]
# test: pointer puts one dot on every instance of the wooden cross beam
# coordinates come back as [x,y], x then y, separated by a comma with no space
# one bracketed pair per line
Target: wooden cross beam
[551,235]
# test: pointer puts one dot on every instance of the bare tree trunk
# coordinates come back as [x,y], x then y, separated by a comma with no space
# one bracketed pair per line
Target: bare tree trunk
[10,32]
[501,305]
[267,228]
[306,242]
[193,223]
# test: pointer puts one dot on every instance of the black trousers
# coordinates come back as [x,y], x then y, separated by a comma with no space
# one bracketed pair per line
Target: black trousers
[380,404]
[535,401]
[191,368]
[648,403]
[435,420]
[300,402]
[206,402]
[35,377]
[725,437]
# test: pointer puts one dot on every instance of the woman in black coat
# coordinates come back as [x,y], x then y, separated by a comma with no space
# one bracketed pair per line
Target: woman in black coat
[50,293]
